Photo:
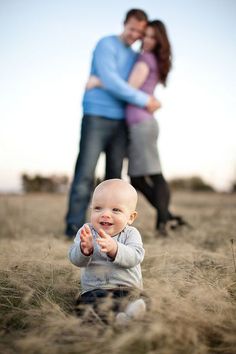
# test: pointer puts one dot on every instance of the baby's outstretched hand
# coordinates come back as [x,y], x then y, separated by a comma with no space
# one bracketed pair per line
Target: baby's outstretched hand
[86,240]
[107,244]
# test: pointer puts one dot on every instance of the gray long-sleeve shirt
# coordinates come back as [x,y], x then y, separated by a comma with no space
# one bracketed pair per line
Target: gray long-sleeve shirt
[100,271]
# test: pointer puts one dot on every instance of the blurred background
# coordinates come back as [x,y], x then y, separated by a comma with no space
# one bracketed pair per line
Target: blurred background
[45,55]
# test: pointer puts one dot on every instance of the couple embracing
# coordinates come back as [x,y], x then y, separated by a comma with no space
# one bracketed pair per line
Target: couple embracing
[118,107]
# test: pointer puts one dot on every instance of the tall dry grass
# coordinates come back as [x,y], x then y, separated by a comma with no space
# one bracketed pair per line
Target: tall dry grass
[189,276]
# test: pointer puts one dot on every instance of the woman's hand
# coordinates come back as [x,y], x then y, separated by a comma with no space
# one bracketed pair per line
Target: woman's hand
[93,81]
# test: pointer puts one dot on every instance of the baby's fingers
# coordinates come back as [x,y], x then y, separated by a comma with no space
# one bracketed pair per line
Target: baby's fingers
[103,248]
[86,231]
[102,245]
[103,234]
[87,228]
[101,242]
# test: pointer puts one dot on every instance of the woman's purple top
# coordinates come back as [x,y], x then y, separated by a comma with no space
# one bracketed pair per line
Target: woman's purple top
[135,114]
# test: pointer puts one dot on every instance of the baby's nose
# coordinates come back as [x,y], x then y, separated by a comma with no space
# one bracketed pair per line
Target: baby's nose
[106,214]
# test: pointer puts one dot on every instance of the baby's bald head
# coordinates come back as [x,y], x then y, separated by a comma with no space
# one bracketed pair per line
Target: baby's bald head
[120,189]
[113,206]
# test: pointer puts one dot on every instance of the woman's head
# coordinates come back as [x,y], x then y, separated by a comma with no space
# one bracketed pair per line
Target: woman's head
[156,41]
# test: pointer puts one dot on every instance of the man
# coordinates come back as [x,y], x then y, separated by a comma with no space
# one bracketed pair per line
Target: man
[103,125]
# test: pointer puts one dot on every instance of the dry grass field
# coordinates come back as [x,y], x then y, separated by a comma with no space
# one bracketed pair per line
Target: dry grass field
[190,277]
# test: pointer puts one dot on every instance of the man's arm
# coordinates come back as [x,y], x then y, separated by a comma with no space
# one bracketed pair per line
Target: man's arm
[136,79]
[105,63]
[106,67]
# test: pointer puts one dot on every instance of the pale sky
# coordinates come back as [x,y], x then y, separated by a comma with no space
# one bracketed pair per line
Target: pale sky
[45,54]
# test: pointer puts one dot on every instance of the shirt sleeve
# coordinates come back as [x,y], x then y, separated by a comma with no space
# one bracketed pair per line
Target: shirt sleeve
[131,253]
[149,59]
[105,63]
[75,254]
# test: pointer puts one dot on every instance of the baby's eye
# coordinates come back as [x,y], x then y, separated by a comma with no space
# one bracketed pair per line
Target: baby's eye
[97,208]
[116,210]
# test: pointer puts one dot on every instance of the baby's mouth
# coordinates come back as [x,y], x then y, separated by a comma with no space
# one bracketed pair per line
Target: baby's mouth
[105,223]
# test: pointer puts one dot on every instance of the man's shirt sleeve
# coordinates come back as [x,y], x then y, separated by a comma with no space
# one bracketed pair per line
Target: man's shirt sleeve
[106,69]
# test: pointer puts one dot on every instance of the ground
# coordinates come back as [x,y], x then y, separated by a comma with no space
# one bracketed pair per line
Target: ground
[190,277]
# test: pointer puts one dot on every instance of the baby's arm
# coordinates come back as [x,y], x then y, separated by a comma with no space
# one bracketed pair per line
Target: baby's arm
[128,254]
[82,249]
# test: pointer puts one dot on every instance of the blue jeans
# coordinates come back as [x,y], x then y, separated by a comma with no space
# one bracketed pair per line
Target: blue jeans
[98,134]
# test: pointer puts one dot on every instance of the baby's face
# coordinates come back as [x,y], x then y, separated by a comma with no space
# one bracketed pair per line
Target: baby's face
[110,211]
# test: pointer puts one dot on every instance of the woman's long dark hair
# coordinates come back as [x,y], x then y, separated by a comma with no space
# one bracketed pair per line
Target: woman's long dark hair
[162,50]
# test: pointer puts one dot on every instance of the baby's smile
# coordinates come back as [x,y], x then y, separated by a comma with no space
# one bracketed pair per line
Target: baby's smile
[105,223]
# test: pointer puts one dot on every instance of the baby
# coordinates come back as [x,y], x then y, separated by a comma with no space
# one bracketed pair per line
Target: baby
[110,251]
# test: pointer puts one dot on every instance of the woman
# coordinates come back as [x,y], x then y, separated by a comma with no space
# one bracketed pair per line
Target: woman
[152,67]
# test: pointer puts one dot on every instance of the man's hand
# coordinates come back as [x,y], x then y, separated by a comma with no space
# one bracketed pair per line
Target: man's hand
[107,244]
[86,240]
[153,104]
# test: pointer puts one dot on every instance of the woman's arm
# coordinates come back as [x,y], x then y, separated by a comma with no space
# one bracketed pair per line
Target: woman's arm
[138,74]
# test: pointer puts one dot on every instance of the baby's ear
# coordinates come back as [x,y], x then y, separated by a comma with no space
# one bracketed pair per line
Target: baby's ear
[132,217]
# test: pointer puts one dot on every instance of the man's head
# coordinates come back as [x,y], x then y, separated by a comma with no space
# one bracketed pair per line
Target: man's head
[113,206]
[134,26]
